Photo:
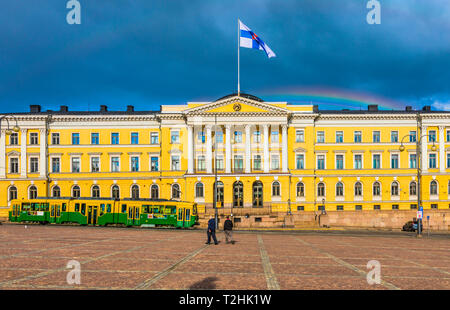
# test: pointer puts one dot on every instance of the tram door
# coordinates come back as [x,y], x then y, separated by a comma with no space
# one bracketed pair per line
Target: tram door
[92,215]
[52,214]
[181,213]
[15,212]
[134,216]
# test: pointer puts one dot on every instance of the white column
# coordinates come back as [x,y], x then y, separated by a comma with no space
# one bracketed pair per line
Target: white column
[42,155]
[3,163]
[266,148]
[208,149]
[228,149]
[441,149]
[23,153]
[190,147]
[284,150]
[248,154]
[424,149]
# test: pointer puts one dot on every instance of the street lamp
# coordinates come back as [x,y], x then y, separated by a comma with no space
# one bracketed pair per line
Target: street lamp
[8,130]
[419,173]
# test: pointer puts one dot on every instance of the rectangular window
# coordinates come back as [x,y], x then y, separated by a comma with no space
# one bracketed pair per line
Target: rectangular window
[34,139]
[257,162]
[320,137]
[75,164]
[340,208]
[238,163]
[134,138]
[412,136]
[154,138]
[320,162]
[219,136]
[95,164]
[300,208]
[154,163]
[358,207]
[75,138]
[34,164]
[358,162]
[56,164]
[377,207]
[339,136]
[413,206]
[256,136]
[432,136]
[95,138]
[274,137]
[339,161]
[175,163]
[115,138]
[376,161]
[434,206]
[238,137]
[115,164]
[14,138]
[376,136]
[448,135]
[357,136]
[14,165]
[219,162]
[448,160]
[412,161]
[300,161]
[432,161]
[394,161]
[300,135]
[201,138]
[394,136]
[394,207]
[135,163]
[275,161]
[201,163]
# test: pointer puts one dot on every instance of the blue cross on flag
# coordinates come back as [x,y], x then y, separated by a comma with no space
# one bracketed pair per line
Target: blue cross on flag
[249,39]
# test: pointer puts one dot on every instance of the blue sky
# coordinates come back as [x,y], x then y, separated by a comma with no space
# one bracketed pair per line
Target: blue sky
[147,53]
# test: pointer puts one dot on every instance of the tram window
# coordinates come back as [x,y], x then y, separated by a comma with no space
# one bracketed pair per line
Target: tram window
[64,205]
[102,207]
[77,207]
[137,213]
[124,208]
[33,206]
[108,208]
[46,206]
[170,210]
[180,214]
[25,206]
[155,210]
[188,214]
[130,212]
[83,208]
[145,209]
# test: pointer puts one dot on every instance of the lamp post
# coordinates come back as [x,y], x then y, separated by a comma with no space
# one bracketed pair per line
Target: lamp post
[216,213]
[419,173]
[8,130]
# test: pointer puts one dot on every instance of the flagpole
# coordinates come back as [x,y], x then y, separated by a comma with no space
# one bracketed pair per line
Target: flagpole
[239,82]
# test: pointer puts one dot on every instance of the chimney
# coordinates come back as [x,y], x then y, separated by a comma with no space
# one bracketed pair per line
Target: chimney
[408,108]
[130,108]
[63,108]
[35,108]
[426,108]
[103,108]
[315,108]
[372,107]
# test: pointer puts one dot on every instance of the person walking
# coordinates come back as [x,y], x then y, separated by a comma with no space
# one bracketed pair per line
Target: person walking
[227,228]
[211,231]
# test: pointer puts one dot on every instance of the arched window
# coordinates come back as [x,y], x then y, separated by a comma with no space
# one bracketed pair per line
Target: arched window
[176,192]
[413,188]
[12,193]
[300,189]
[135,191]
[394,188]
[376,189]
[32,192]
[76,192]
[154,191]
[433,188]
[95,191]
[115,192]
[219,197]
[238,194]
[56,191]
[257,194]
[199,190]
[358,189]
[321,189]
[339,189]
[276,188]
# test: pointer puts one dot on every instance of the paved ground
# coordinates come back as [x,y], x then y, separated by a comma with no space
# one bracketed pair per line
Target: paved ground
[126,258]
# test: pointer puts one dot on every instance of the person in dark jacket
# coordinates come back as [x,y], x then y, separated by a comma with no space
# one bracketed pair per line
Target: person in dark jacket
[227,228]
[211,231]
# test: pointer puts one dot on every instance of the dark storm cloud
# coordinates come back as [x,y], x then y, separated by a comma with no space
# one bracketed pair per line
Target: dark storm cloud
[149,53]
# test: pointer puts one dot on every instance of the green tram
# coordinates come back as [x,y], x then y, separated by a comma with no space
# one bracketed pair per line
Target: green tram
[104,211]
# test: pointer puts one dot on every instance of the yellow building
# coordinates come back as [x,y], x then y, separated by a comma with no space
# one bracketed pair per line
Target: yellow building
[269,155]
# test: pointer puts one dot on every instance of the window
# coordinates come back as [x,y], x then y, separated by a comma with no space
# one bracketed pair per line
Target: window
[413,188]
[321,189]
[257,194]
[115,164]
[432,136]
[199,190]
[34,164]
[154,191]
[14,165]
[56,164]
[320,137]
[76,192]
[75,164]
[376,189]
[274,137]
[134,138]
[256,136]
[176,192]
[95,164]
[219,192]
[358,207]
[340,208]
[300,161]
[238,194]
[394,161]
[320,161]
[32,192]
[394,189]
[154,138]
[339,161]
[394,136]
[115,192]
[238,137]
[95,191]
[275,162]
[174,136]
[358,189]
[95,138]
[75,138]
[115,138]
[12,193]
[448,161]
[394,207]
[448,135]
[201,138]
[376,162]
[376,136]
[413,206]
[176,163]
[357,161]
[377,207]
[257,162]
[34,139]
[219,163]
[135,191]
[432,161]
[339,136]
[300,135]
[412,161]
[238,163]
[412,136]
[14,138]
[201,163]
[154,163]
[434,206]
[339,189]
[300,208]
[433,188]
[276,188]
[357,136]
[135,163]
[219,136]
[300,189]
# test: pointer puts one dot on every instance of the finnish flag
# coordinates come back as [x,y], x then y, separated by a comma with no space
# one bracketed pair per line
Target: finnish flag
[249,39]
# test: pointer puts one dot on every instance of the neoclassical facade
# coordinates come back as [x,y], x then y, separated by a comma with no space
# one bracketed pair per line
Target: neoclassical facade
[270,155]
